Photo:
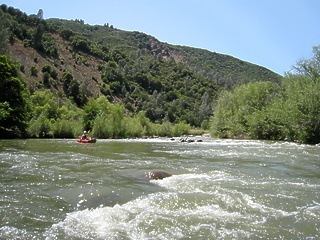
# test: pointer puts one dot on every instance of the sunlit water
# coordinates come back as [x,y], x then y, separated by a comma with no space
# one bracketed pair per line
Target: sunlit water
[219,189]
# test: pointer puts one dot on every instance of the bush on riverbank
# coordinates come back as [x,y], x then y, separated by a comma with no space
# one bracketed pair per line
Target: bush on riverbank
[103,119]
[263,110]
[104,127]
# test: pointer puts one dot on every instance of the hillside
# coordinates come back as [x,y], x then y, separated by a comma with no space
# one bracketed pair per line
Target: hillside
[224,69]
[77,61]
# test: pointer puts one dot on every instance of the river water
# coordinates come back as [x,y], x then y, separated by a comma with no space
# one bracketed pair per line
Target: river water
[219,189]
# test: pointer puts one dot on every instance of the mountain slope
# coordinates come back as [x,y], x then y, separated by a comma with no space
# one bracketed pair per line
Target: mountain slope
[78,61]
[226,70]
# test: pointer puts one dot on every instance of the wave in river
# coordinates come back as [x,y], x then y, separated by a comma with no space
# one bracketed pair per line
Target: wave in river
[193,206]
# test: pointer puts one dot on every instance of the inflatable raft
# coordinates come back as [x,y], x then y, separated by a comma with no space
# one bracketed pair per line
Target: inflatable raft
[92,140]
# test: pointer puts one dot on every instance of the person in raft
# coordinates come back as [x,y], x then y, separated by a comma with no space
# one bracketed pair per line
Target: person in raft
[85,136]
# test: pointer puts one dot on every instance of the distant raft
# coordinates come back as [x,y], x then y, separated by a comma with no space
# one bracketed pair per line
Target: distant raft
[92,140]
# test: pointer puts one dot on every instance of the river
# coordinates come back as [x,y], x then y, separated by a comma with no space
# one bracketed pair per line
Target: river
[219,189]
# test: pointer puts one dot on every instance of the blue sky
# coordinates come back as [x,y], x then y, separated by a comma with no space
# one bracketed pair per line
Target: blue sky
[271,33]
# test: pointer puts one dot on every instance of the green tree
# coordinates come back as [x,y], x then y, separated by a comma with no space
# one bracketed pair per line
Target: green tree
[37,37]
[41,126]
[93,108]
[262,110]
[44,113]
[106,120]
[53,117]
[239,112]
[4,33]
[34,71]
[44,101]
[145,123]
[4,110]
[295,113]
[302,98]
[14,97]
[115,119]
[205,108]
[310,67]
[66,78]
[180,128]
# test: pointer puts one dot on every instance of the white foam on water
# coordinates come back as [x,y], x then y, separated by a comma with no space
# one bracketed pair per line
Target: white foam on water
[192,206]
[156,216]
[8,232]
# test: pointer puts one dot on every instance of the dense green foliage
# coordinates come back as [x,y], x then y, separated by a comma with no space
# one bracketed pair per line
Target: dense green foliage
[227,71]
[239,112]
[263,110]
[99,116]
[4,39]
[54,117]
[14,106]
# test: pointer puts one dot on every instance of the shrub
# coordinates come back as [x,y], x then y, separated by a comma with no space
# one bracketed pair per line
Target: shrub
[34,71]
[165,130]
[46,78]
[101,128]
[46,68]
[133,128]
[64,128]
[41,126]
[180,129]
